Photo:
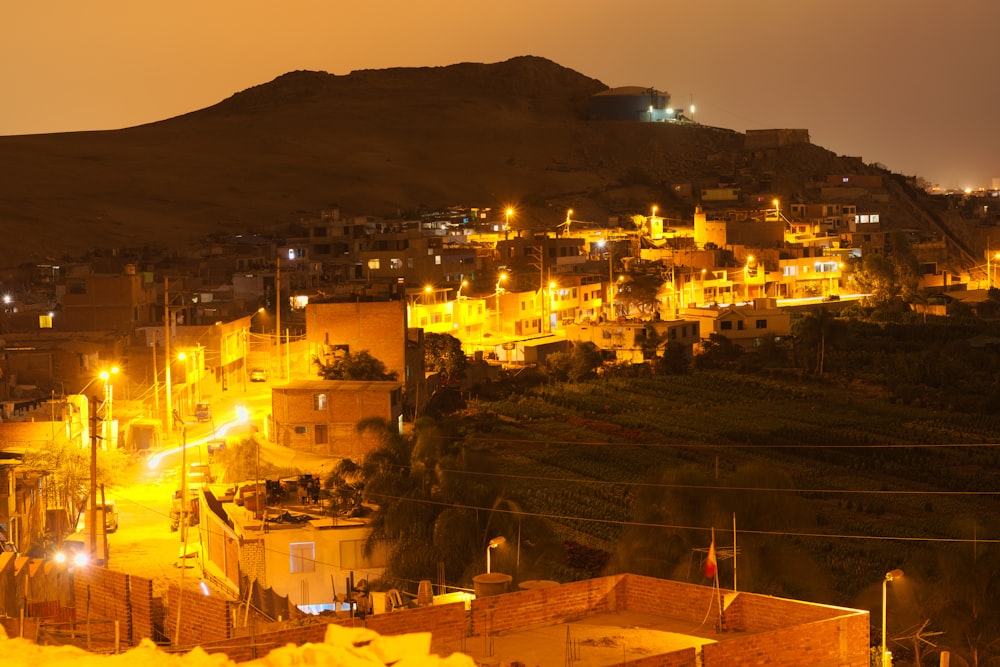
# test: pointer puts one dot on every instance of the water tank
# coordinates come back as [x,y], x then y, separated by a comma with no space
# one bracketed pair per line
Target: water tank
[491,583]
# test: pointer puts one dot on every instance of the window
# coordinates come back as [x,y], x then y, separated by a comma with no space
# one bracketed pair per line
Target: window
[726,325]
[300,430]
[302,557]
[319,401]
[321,434]
[395,263]
[761,324]
[373,265]
[739,325]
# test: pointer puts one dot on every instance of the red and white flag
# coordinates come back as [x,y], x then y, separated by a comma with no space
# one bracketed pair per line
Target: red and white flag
[711,566]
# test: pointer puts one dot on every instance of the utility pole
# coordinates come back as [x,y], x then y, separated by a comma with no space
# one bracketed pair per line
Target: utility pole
[166,351]
[277,306]
[92,506]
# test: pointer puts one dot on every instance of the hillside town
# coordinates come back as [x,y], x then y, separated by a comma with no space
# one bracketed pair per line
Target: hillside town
[152,354]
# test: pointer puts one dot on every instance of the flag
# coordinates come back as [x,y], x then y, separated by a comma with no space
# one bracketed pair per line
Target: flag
[711,566]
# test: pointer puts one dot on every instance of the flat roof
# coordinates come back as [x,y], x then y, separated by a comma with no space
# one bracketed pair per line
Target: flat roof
[600,640]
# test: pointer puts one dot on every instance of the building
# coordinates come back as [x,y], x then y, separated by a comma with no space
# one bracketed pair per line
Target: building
[747,325]
[108,302]
[633,103]
[321,416]
[380,327]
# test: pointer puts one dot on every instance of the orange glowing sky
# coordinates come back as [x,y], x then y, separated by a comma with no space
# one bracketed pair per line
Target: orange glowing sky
[907,83]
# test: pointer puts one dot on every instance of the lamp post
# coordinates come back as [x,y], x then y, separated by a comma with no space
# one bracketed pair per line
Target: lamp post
[989,271]
[494,543]
[889,576]
[458,297]
[502,278]
[746,278]
[108,400]
[552,303]
[506,227]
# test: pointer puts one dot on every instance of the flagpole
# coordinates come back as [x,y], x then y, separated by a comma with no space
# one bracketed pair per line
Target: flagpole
[718,591]
[734,552]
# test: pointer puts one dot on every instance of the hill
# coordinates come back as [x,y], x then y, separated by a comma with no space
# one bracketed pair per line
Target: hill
[380,142]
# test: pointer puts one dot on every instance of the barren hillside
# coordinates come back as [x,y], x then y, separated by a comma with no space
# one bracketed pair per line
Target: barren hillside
[371,142]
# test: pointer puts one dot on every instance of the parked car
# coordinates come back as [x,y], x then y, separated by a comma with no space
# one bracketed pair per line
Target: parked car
[200,474]
[108,509]
[258,374]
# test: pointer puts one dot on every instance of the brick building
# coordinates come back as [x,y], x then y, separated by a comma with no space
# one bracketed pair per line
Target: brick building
[321,416]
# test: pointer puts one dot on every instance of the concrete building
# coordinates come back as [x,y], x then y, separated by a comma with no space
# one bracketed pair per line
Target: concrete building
[745,325]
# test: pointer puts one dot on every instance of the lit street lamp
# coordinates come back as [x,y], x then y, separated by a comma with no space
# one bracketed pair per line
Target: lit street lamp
[506,228]
[108,400]
[494,543]
[500,279]
[989,272]
[458,297]
[889,576]
[746,278]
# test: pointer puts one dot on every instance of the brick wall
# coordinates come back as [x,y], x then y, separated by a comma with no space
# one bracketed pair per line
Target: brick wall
[252,560]
[446,623]
[684,658]
[546,606]
[378,326]
[835,642]
[102,594]
[760,613]
[669,598]
[204,618]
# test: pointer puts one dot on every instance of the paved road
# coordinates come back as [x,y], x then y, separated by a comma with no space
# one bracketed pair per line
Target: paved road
[144,545]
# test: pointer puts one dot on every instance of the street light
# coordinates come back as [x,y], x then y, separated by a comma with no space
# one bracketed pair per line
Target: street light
[501,278]
[108,400]
[552,303]
[989,273]
[746,278]
[458,297]
[506,228]
[889,576]
[494,543]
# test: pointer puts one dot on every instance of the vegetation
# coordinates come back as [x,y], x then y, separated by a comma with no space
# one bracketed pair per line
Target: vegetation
[443,354]
[844,452]
[358,366]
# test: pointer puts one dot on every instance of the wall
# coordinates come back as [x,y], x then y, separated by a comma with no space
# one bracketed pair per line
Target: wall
[347,404]
[105,594]
[334,548]
[446,623]
[204,618]
[545,606]
[836,642]
[661,597]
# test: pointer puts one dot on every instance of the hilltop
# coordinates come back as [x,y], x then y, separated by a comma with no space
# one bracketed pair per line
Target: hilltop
[379,142]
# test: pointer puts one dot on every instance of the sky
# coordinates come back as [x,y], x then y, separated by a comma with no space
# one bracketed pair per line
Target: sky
[909,84]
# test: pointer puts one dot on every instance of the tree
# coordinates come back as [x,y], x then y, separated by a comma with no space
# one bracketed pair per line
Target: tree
[876,276]
[359,366]
[815,329]
[641,294]
[717,352]
[674,361]
[443,354]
